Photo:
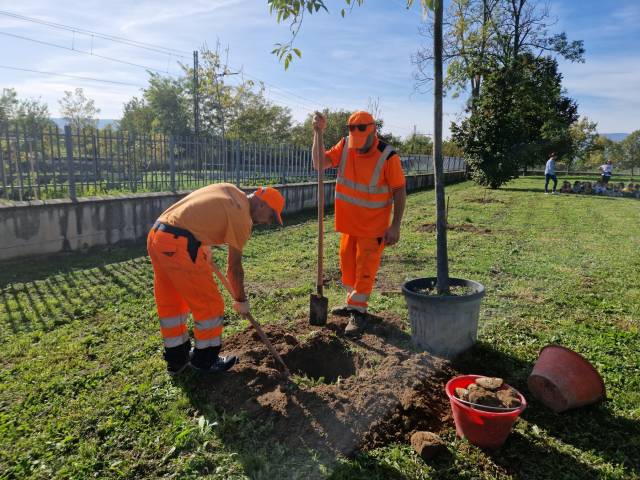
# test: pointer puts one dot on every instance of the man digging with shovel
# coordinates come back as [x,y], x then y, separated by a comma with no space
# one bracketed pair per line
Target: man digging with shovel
[179,246]
[370,180]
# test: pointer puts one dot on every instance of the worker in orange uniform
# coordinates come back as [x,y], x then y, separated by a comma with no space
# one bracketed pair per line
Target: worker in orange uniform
[369,182]
[179,246]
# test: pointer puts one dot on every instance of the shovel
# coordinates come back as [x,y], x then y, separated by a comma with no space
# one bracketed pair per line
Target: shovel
[318,303]
[252,320]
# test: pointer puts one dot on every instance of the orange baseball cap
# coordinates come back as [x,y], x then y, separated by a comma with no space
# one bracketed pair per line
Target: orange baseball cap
[361,124]
[273,198]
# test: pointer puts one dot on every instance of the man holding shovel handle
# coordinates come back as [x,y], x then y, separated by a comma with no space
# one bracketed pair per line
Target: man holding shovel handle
[370,181]
[179,246]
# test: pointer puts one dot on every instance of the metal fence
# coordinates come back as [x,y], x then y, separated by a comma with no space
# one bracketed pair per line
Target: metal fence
[51,163]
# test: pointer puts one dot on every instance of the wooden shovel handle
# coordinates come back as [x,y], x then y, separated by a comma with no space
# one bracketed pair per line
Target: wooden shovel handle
[252,320]
[320,279]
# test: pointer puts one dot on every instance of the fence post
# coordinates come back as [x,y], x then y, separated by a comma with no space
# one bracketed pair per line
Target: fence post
[172,164]
[68,141]
[236,160]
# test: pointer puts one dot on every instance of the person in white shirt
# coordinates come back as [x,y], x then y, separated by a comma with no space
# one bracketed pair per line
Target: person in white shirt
[607,171]
[550,174]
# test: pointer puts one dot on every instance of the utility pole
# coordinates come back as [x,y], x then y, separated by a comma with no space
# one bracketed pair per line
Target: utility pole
[196,107]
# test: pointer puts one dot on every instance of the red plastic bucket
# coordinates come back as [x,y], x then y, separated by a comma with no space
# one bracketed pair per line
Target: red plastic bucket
[563,379]
[483,429]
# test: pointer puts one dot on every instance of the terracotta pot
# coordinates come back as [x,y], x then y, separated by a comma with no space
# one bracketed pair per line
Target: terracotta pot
[562,379]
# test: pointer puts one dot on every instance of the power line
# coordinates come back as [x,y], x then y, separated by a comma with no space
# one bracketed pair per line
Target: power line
[104,36]
[70,76]
[104,57]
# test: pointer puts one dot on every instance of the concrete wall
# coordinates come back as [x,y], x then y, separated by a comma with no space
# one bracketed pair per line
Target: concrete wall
[41,227]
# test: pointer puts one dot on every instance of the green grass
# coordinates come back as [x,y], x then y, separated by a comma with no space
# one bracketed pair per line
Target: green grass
[83,392]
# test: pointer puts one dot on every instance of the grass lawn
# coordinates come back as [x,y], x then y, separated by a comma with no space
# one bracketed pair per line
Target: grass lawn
[84,394]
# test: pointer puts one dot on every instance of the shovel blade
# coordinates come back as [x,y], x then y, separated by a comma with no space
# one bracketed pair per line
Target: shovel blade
[318,307]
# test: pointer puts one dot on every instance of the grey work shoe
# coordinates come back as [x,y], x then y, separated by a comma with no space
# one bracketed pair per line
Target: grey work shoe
[357,323]
[343,311]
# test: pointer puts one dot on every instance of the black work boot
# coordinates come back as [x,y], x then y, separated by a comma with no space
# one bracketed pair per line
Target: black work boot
[177,358]
[357,323]
[343,311]
[207,360]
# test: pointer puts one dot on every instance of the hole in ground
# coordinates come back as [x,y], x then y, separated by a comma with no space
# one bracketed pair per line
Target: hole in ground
[321,359]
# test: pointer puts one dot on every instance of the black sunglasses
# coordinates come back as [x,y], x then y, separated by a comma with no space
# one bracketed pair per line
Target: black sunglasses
[361,126]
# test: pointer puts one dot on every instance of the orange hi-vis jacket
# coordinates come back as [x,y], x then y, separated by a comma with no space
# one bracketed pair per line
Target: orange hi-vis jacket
[364,188]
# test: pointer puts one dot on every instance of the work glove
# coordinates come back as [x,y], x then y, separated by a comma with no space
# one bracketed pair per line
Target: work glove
[241,308]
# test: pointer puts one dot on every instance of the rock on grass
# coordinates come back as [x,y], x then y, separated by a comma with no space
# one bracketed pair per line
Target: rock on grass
[427,444]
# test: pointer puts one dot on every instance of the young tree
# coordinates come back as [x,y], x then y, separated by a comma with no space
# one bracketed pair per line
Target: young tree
[78,110]
[295,10]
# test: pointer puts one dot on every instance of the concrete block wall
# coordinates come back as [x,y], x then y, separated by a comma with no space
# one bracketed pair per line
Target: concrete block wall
[43,227]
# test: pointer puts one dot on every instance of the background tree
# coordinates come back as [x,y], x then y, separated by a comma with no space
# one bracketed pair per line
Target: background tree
[302,134]
[31,113]
[520,116]
[417,144]
[168,101]
[583,136]
[256,119]
[631,151]
[137,117]
[482,32]
[78,110]
[8,104]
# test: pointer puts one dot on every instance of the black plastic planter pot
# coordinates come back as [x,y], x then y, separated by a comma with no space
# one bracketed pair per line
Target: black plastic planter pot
[443,325]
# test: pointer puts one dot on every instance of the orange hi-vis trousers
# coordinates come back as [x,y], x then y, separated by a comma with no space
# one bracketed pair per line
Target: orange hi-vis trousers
[359,262]
[182,285]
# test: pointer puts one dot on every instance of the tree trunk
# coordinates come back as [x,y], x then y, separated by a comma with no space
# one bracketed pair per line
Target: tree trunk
[442,284]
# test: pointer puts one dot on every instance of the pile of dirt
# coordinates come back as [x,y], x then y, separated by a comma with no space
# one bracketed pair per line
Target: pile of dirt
[490,392]
[461,227]
[345,395]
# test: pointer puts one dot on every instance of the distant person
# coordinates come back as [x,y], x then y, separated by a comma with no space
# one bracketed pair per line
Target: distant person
[566,187]
[607,171]
[628,190]
[550,174]
[577,187]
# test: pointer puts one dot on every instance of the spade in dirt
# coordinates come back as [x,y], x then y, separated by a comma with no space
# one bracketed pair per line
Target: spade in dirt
[318,303]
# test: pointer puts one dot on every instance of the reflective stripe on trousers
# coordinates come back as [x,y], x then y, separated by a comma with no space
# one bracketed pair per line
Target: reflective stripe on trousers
[207,332]
[174,330]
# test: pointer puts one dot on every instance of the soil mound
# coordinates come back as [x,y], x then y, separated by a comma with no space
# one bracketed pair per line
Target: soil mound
[344,394]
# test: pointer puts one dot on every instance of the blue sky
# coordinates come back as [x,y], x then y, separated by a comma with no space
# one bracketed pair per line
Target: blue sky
[345,61]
